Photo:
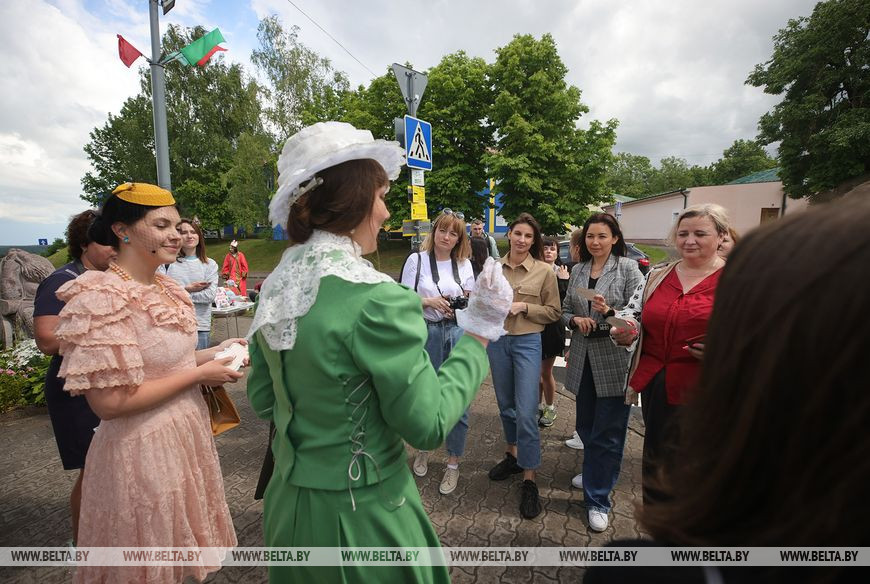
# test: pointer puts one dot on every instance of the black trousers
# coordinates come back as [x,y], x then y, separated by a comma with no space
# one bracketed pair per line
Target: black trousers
[660,421]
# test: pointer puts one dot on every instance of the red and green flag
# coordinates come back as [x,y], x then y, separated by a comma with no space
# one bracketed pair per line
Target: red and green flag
[201,50]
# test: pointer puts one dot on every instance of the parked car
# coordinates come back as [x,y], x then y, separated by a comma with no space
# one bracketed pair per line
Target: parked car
[631,252]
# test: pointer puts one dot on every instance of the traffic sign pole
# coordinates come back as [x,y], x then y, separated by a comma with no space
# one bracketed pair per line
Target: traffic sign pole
[412,84]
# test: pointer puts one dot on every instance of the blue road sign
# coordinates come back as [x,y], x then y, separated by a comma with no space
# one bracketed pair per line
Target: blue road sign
[418,143]
[43,242]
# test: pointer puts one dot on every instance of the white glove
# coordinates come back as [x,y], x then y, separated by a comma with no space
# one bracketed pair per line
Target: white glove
[489,304]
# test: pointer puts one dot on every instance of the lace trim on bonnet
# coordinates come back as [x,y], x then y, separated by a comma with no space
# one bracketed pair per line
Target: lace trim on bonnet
[291,289]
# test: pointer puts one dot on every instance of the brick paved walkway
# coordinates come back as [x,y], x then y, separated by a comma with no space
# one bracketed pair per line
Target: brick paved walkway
[34,492]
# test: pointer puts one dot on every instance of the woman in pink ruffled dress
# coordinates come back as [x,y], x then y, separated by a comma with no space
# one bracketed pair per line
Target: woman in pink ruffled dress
[127,337]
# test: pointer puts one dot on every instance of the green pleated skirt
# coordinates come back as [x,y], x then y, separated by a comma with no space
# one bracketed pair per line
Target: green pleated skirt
[301,517]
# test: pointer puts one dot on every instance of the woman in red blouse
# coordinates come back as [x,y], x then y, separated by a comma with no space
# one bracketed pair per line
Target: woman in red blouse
[673,307]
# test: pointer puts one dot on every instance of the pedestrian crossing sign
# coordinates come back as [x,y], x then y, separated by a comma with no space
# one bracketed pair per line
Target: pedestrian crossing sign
[418,143]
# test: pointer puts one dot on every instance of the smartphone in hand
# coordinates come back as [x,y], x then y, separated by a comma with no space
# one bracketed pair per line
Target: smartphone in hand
[692,341]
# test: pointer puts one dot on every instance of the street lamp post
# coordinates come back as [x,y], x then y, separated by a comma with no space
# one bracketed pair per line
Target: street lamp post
[158,98]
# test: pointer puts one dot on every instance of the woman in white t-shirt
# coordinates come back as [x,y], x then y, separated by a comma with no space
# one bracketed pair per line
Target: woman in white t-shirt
[198,274]
[441,274]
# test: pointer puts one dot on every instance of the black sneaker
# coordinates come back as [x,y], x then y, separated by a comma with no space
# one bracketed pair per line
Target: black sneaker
[530,503]
[505,468]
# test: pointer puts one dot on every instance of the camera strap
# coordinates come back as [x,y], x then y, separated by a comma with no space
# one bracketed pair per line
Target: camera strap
[433,267]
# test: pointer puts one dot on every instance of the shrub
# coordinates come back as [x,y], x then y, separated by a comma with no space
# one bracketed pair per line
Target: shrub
[22,376]
[54,247]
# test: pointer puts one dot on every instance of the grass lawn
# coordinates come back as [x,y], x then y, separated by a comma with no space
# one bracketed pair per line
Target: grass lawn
[59,258]
[656,254]
[264,254]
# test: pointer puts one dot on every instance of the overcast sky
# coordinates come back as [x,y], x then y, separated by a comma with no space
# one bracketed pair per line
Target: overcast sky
[671,71]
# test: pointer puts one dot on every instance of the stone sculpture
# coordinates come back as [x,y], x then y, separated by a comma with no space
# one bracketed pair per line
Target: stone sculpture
[20,275]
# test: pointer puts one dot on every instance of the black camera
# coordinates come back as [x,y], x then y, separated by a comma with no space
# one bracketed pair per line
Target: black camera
[458,302]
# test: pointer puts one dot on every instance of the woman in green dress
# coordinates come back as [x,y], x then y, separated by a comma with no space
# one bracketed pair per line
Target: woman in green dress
[339,366]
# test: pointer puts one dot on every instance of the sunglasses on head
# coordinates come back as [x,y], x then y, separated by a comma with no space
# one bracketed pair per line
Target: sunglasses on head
[457,214]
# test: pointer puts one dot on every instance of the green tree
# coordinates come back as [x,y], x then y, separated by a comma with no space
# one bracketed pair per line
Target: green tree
[542,161]
[303,87]
[455,103]
[208,108]
[207,201]
[250,181]
[374,108]
[121,150]
[741,158]
[702,175]
[821,66]
[629,175]
[673,173]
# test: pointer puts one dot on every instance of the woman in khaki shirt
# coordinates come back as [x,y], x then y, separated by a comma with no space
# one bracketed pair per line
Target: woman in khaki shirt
[515,359]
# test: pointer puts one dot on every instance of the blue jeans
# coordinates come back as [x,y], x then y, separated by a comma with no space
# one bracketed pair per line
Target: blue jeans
[515,362]
[203,339]
[601,423]
[443,336]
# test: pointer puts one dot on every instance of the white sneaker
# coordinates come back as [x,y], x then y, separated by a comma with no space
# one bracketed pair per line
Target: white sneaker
[574,442]
[449,482]
[597,519]
[421,463]
[577,482]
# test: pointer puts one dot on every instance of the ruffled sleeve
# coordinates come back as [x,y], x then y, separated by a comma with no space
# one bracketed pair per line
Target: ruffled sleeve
[96,335]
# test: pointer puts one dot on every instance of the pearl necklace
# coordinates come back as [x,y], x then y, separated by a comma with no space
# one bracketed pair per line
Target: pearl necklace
[127,278]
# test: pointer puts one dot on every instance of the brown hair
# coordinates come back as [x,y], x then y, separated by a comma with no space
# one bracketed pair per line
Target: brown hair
[462,249]
[200,247]
[537,248]
[77,232]
[339,204]
[479,253]
[773,449]
[612,224]
[576,236]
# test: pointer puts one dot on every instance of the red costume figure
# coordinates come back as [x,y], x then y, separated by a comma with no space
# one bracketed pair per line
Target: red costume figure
[235,269]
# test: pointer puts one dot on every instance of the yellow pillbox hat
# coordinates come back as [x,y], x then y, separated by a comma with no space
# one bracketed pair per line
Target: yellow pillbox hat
[144,194]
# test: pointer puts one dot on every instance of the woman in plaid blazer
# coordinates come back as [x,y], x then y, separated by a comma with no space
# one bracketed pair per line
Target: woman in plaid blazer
[596,368]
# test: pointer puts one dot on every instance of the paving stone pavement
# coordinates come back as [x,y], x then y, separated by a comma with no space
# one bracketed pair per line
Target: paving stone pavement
[34,491]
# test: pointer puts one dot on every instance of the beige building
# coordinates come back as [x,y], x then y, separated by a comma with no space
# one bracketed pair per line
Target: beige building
[750,201]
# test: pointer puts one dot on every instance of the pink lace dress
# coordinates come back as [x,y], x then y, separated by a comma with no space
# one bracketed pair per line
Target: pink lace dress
[152,479]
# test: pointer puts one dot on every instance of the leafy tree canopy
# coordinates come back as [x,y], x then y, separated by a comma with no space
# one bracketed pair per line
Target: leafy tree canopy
[207,109]
[542,161]
[303,87]
[629,175]
[821,67]
[743,157]
[455,103]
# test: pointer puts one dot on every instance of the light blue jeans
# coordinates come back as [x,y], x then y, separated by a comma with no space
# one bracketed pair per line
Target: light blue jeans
[203,339]
[443,336]
[515,362]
